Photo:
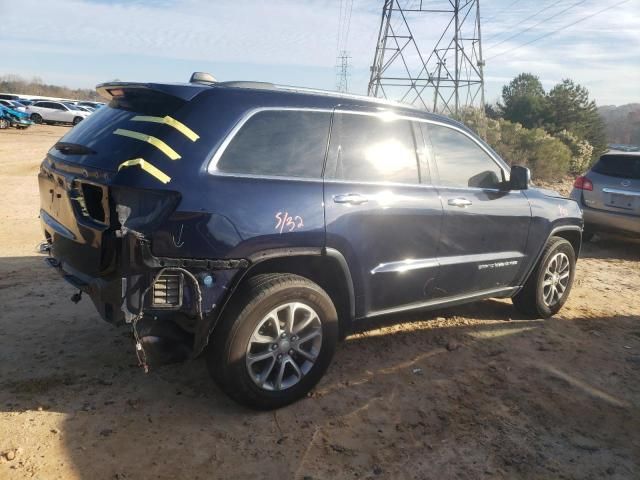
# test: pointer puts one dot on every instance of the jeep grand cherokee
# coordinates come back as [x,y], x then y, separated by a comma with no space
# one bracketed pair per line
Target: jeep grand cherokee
[261,223]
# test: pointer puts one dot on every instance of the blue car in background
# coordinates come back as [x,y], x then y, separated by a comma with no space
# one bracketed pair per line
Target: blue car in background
[13,118]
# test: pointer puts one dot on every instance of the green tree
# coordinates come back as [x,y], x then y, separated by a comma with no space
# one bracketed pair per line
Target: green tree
[548,157]
[569,108]
[524,101]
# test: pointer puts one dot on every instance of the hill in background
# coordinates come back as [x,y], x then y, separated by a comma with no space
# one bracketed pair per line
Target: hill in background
[622,123]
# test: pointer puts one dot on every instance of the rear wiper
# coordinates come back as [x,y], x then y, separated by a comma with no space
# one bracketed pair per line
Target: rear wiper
[73,149]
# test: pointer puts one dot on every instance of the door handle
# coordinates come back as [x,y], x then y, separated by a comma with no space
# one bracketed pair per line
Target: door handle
[459,202]
[350,198]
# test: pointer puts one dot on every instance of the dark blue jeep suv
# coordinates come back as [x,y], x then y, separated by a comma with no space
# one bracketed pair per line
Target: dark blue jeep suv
[258,223]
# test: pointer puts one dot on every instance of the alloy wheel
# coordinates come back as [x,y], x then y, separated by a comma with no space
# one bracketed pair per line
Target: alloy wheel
[284,346]
[556,279]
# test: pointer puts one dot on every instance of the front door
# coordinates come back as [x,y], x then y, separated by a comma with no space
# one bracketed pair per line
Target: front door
[485,226]
[381,212]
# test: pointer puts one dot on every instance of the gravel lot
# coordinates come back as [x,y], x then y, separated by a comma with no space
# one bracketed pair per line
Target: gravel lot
[470,392]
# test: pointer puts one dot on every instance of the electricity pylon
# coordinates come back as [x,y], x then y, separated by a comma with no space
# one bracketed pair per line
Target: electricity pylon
[443,78]
[342,67]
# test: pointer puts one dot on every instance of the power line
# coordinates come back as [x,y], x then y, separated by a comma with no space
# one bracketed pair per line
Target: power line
[346,37]
[559,29]
[551,5]
[498,14]
[490,47]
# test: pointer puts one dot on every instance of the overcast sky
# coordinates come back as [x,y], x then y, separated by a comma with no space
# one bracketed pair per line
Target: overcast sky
[80,43]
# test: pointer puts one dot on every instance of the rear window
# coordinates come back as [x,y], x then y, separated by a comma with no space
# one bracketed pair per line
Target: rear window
[286,143]
[621,166]
[97,131]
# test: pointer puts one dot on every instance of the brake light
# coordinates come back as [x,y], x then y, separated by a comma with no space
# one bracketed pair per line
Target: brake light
[583,183]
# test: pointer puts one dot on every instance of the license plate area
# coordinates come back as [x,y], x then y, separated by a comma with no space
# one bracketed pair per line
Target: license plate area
[618,200]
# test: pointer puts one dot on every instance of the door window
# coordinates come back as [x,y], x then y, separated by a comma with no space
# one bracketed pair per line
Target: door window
[460,161]
[370,148]
[286,143]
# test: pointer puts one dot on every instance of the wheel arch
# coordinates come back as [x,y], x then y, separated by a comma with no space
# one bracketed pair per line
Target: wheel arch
[325,266]
[573,236]
[571,233]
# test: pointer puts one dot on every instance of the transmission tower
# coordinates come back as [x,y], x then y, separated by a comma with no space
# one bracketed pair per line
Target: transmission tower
[342,68]
[444,78]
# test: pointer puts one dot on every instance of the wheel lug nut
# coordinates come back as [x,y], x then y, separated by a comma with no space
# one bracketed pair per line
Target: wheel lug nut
[290,352]
[279,356]
[274,346]
[294,338]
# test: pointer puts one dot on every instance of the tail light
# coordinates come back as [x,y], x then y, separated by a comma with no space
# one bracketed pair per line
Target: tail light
[583,183]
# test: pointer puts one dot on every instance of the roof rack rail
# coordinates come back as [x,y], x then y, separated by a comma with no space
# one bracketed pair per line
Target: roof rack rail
[248,84]
[352,96]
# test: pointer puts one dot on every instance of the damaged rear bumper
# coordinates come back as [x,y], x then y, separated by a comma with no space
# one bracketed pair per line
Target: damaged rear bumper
[146,285]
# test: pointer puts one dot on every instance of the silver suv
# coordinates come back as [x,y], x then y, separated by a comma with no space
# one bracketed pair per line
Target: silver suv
[609,194]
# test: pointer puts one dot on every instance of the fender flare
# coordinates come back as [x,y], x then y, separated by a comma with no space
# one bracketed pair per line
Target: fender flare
[203,334]
[560,228]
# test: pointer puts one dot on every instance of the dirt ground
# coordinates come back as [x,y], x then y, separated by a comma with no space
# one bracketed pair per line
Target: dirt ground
[470,392]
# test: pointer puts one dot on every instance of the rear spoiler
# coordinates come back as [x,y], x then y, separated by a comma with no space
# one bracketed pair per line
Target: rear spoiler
[183,91]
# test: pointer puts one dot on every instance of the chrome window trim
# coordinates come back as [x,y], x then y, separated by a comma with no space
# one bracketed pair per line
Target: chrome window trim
[212,166]
[213,162]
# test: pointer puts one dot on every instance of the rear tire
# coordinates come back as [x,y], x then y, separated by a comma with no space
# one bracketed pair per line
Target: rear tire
[36,118]
[274,341]
[547,288]
[77,120]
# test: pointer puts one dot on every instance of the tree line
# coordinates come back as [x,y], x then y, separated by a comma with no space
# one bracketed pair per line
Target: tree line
[35,86]
[554,133]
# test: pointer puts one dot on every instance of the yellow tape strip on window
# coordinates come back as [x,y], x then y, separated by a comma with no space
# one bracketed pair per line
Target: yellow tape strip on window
[172,122]
[147,167]
[156,142]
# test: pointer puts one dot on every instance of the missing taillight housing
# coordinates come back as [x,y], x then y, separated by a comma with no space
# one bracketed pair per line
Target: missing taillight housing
[583,183]
[94,201]
[146,209]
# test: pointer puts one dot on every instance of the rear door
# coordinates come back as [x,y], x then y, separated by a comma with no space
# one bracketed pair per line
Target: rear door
[616,184]
[60,113]
[485,228]
[382,213]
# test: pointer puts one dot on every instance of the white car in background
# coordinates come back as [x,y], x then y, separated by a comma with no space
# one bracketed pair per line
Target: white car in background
[13,105]
[56,112]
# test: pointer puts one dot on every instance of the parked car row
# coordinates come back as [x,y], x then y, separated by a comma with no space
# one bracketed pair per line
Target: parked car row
[50,111]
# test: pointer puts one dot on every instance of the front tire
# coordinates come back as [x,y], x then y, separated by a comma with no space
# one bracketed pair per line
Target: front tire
[547,288]
[274,341]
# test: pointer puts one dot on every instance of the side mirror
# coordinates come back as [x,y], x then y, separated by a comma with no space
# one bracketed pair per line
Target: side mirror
[520,178]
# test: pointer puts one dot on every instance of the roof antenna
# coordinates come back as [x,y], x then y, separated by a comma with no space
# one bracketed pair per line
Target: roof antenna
[203,77]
